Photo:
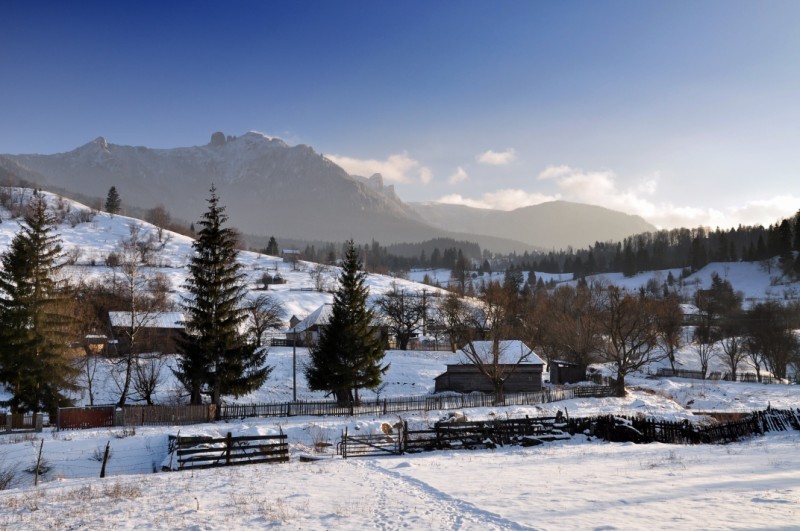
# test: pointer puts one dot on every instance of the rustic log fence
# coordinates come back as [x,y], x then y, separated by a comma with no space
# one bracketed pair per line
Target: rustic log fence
[534,431]
[208,452]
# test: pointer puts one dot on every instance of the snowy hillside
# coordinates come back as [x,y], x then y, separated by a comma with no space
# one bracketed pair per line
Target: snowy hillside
[90,242]
[758,281]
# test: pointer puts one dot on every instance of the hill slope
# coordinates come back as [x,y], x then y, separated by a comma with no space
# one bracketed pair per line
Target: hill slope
[553,225]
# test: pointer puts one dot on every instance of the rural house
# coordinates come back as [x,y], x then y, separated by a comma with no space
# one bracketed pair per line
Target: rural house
[522,377]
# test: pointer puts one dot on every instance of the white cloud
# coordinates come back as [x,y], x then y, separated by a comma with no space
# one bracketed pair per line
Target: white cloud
[602,188]
[458,176]
[398,168]
[551,172]
[497,158]
[506,199]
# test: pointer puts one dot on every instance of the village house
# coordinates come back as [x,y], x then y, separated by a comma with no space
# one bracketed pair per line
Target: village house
[522,377]
[306,331]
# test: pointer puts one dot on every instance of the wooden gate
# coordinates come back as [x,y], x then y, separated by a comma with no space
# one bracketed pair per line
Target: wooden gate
[364,445]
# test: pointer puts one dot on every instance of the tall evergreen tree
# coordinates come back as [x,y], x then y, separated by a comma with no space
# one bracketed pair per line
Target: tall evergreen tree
[34,323]
[217,359]
[348,355]
[113,201]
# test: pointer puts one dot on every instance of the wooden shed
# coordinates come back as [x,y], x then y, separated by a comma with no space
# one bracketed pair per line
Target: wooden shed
[564,372]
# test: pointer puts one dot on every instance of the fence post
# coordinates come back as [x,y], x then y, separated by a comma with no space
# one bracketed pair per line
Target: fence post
[38,464]
[9,422]
[228,444]
[105,460]
[344,444]
[38,422]
[118,417]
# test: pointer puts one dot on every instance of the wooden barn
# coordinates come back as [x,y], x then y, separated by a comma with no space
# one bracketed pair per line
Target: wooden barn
[522,377]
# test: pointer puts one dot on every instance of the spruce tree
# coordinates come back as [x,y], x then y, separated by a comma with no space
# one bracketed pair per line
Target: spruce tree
[113,201]
[34,323]
[348,355]
[272,247]
[216,357]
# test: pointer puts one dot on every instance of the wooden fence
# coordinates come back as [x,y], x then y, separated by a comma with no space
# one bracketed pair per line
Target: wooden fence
[207,452]
[165,415]
[455,435]
[533,431]
[408,404]
[748,377]
[110,416]
[79,418]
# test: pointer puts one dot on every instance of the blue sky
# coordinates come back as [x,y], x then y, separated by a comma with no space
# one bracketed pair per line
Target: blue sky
[684,112]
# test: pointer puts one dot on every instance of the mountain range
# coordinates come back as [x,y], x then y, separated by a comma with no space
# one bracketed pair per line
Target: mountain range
[293,192]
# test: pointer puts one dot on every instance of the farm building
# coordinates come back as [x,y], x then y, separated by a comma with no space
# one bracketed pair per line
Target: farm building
[521,377]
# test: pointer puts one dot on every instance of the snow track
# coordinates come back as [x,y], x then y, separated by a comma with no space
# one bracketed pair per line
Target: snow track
[435,505]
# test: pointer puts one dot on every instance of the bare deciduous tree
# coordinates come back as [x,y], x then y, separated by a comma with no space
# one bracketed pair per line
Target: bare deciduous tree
[264,313]
[403,313]
[629,328]
[148,376]
[144,295]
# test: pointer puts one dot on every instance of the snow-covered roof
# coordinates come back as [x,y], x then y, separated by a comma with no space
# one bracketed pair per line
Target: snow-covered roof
[510,351]
[149,320]
[690,309]
[320,316]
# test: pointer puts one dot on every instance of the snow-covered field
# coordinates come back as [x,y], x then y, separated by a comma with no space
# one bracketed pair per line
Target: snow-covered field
[578,483]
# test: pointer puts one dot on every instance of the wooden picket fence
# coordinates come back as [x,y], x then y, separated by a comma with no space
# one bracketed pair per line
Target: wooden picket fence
[208,452]
[165,415]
